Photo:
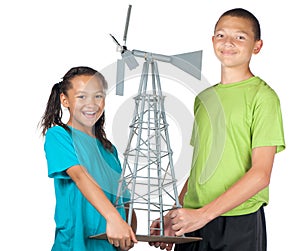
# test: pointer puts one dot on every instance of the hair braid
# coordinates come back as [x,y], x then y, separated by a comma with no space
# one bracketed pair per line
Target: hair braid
[100,133]
[53,112]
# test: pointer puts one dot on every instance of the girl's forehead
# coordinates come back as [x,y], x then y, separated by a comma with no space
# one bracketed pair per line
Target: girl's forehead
[86,82]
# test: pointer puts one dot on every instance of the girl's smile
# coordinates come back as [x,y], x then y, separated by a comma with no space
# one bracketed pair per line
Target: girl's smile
[85,101]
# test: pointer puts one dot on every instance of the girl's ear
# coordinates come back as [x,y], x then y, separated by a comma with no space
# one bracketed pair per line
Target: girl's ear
[258,46]
[64,100]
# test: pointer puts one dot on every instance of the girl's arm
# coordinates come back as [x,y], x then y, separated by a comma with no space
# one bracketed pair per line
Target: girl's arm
[119,233]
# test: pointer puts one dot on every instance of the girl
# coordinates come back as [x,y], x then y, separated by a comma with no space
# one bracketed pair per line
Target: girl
[84,165]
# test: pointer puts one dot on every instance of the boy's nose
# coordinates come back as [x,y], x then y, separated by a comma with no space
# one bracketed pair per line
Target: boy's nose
[228,41]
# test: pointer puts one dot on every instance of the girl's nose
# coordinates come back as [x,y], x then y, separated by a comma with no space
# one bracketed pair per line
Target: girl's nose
[90,101]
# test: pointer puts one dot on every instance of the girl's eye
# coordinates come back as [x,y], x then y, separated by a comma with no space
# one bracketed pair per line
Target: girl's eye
[99,96]
[81,96]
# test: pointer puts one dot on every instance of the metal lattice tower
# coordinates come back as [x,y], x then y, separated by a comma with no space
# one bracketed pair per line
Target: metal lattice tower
[148,170]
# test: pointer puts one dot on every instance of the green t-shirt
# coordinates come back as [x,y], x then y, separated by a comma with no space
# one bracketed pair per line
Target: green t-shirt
[231,120]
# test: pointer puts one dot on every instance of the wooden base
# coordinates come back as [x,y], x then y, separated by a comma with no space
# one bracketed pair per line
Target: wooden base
[155,238]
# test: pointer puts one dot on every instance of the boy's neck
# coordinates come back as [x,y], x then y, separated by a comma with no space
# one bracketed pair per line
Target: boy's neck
[232,75]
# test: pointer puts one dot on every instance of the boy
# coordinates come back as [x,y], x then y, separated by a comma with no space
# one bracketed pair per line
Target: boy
[237,131]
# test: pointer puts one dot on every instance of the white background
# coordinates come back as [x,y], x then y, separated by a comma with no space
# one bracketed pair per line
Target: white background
[41,40]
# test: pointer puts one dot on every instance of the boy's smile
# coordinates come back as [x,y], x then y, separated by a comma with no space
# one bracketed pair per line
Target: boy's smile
[234,42]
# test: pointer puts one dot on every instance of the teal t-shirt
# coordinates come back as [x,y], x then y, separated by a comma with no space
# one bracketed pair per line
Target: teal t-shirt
[231,120]
[76,219]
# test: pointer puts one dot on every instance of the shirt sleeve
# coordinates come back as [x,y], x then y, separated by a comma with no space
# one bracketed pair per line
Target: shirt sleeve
[194,136]
[60,152]
[267,125]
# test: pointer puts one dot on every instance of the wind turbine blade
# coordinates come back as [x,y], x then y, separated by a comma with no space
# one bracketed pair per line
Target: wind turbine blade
[115,40]
[127,24]
[129,59]
[190,62]
[120,77]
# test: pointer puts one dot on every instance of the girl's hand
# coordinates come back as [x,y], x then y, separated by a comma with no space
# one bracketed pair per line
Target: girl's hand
[119,233]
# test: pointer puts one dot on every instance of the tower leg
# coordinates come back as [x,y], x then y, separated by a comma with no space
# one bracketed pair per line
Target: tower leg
[136,129]
[167,137]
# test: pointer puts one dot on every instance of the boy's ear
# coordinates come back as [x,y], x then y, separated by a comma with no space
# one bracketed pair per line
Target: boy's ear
[64,100]
[258,46]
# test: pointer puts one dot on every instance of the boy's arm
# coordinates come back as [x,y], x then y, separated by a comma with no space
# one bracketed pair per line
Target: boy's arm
[118,231]
[183,192]
[256,179]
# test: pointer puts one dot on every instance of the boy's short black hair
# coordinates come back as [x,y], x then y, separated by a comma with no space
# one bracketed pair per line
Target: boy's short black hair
[239,12]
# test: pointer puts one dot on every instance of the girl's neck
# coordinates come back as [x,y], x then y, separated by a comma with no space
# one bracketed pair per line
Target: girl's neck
[87,130]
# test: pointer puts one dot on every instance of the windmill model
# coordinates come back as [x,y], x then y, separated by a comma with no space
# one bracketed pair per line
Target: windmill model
[148,170]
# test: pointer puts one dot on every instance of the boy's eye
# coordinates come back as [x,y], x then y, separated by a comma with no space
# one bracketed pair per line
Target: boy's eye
[240,38]
[99,96]
[219,35]
[81,96]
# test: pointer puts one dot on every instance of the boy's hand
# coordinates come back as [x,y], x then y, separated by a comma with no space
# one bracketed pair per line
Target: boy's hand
[185,220]
[167,232]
